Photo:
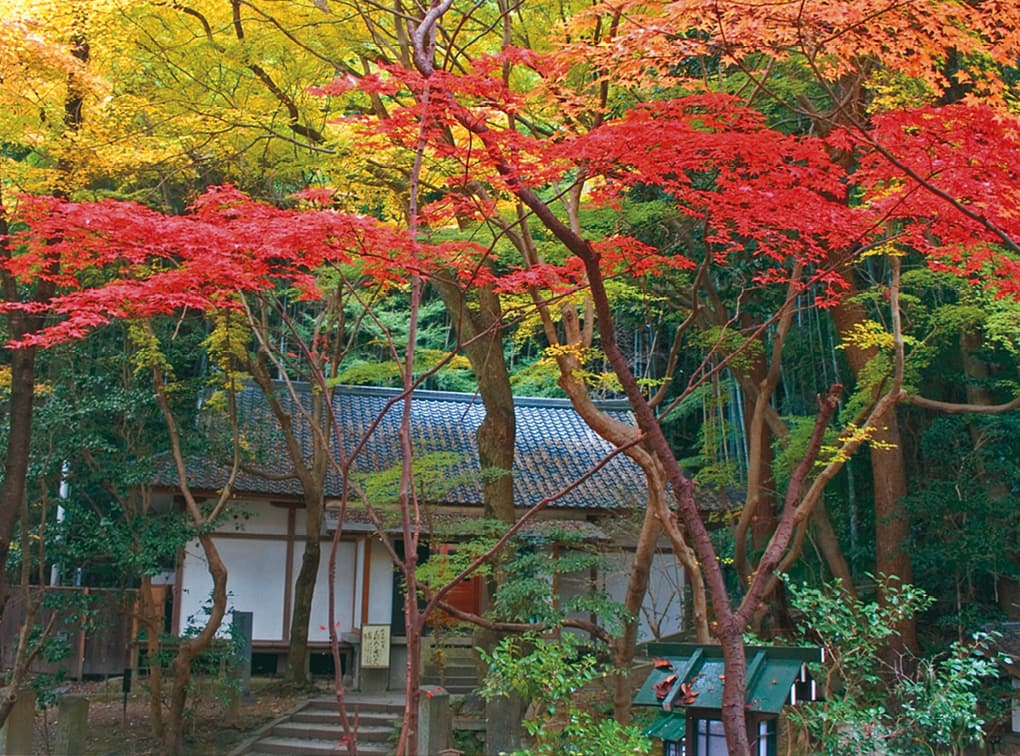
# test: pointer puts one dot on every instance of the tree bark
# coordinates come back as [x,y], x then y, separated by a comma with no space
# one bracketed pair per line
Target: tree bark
[623,645]
[480,333]
[828,544]
[304,593]
[20,409]
[311,474]
[153,630]
[173,740]
[978,376]
[892,525]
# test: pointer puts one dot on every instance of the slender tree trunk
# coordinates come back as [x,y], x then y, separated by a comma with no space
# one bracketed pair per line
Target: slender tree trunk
[173,740]
[774,619]
[763,519]
[153,630]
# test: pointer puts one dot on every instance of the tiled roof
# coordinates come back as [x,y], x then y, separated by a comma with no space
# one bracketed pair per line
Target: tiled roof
[554,446]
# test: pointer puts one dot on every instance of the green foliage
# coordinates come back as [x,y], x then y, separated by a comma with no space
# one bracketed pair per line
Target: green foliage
[942,702]
[549,672]
[790,451]
[741,350]
[526,593]
[435,473]
[965,519]
[129,546]
[716,463]
[853,631]
[871,707]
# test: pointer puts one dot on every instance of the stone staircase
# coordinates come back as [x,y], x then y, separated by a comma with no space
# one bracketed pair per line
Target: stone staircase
[313,727]
[454,665]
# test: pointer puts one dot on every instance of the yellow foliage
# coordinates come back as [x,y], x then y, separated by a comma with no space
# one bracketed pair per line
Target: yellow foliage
[867,335]
[851,436]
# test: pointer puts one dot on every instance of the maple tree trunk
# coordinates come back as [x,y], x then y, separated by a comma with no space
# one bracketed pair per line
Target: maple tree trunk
[892,526]
[311,475]
[763,519]
[728,627]
[775,616]
[479,330]
[173,739]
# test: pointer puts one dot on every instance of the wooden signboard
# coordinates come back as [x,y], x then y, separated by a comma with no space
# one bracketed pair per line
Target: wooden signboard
[375,646]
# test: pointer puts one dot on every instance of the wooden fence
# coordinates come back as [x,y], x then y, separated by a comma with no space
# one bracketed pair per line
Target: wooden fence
[95,626]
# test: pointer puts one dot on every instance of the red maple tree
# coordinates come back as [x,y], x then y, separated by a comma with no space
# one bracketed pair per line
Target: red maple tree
[941,182]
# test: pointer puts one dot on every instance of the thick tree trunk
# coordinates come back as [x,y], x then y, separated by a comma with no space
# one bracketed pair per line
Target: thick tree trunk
[828,545]
[311,474]
[978,393]
[892,525]
[19,439]
[623,646]
[479,329]
[304,592]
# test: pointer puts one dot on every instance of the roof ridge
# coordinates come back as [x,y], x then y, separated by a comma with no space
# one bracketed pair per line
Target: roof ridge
[455,396]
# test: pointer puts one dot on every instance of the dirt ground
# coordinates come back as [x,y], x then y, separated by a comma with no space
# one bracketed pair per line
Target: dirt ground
[118,730]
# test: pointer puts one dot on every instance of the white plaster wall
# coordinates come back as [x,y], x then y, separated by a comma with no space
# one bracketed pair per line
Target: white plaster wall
[573,584]
[663,604]
[346,605]
[380,579]
[259,517]
[255,583]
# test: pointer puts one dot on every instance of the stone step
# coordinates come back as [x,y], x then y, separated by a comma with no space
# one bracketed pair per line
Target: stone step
[331,732]
[327,716]
[451,655]
[381,701]
[363,713]
[460,690]
[447,680]
[466,665]
[305,747]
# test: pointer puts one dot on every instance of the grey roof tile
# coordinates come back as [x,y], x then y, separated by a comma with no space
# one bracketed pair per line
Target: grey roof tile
[554,446]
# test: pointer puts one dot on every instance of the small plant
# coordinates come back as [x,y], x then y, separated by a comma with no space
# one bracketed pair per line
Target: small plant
[942,701]
[548,672]
[874,707]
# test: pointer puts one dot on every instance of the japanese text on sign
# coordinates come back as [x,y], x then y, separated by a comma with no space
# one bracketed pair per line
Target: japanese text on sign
[375,646]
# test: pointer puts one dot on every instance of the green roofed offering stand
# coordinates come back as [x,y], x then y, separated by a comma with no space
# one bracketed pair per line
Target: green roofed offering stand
[686,682]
